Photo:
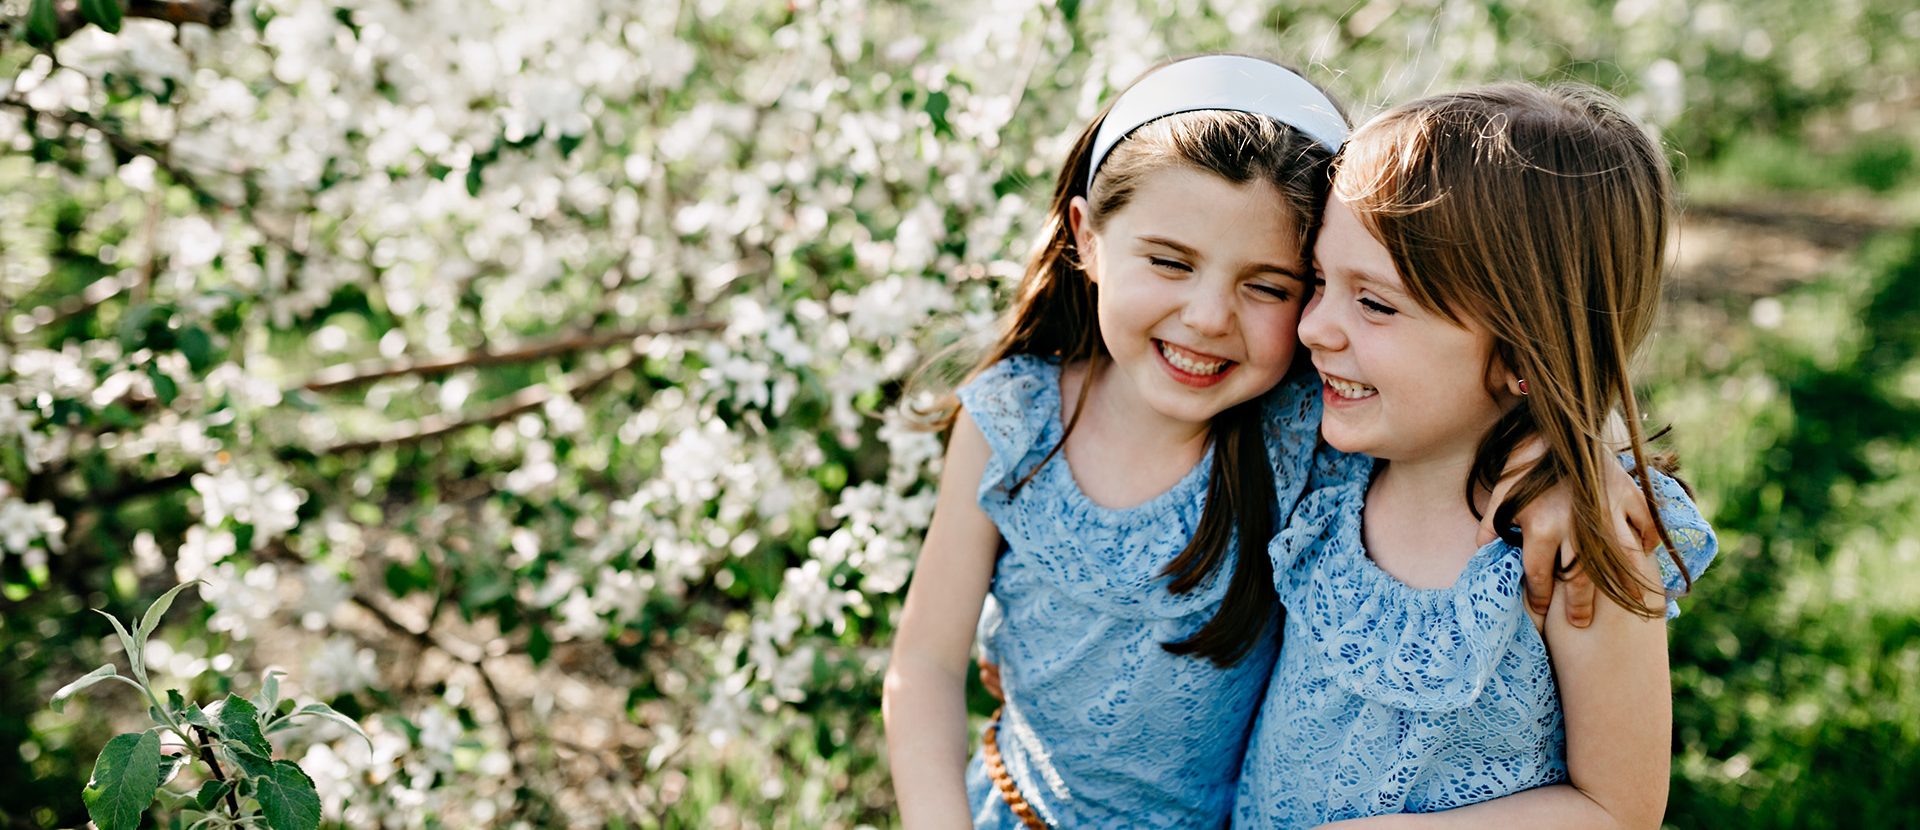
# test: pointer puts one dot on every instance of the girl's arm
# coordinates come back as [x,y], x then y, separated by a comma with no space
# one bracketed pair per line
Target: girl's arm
[924,703]
[1615,691]
[1546,529]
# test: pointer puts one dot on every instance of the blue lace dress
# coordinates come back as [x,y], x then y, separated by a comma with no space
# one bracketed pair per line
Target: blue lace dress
[1102,727]
[1391,699]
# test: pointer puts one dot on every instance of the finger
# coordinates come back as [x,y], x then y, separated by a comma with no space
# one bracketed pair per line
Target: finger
[1579,588]
[1537,557]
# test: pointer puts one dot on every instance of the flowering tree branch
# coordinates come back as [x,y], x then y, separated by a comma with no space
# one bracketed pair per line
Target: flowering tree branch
[363,372]
[526,400]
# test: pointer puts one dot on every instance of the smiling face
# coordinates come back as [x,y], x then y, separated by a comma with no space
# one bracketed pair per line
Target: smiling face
[1200,286]
[1399,382]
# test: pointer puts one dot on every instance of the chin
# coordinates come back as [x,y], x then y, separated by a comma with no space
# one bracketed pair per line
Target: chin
[1346,441]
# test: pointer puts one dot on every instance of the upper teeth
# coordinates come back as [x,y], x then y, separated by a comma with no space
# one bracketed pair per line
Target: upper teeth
[1349,389]
[1188,364]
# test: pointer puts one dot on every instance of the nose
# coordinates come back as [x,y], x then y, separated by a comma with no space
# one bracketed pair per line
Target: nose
[1319,328]
[1209,310]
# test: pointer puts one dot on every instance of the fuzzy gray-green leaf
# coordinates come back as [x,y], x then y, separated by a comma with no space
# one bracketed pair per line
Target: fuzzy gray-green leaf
[135,655]
[321,710]
[159,607]
[106,672]
[124,779]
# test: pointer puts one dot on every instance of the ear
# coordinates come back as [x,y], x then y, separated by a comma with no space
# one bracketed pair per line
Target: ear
[1080,222]
[1505,378]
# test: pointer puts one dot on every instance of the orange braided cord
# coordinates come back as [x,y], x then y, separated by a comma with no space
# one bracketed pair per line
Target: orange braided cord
[1009,792]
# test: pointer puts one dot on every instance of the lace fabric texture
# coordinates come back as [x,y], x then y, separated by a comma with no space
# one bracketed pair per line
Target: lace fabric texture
[1102,726]
[1390,699]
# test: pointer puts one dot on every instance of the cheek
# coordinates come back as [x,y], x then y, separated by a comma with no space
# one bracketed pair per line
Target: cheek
[1274,331]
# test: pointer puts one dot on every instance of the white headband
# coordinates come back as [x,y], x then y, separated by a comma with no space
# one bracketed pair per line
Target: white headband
[1221,82]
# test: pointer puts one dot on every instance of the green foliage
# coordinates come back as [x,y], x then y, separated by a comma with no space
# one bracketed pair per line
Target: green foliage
[1797,662]
[131,773]
[103,13]
[124,779]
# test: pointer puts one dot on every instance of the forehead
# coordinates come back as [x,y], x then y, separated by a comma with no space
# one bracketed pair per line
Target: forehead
[1197,207]
[1345,247]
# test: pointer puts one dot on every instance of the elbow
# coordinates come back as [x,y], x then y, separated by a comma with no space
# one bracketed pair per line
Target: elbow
[1644,811]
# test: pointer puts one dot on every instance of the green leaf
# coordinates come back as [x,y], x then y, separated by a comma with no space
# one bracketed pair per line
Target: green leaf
[197,346]
[43,25]
[288,798]
[134,652]
[163,386]
[323,711]
[269,698]
[159,609]
[102,13]
[195,716]
[211,793]
[253,765]
[169,767]
[124,780]
[539,644]
[106,672]
[240,723]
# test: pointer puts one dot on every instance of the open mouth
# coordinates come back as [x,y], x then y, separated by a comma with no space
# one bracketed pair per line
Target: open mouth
[1189,362]
[1347,389]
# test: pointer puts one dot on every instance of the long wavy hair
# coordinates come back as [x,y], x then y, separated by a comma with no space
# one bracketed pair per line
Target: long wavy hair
[1541,214]
[1054,316]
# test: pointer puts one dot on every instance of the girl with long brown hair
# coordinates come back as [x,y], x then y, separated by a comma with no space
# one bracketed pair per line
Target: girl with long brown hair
[1109,478]
[1489,263]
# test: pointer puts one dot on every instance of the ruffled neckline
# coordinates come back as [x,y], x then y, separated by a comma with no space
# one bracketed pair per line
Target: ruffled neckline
[1421,649]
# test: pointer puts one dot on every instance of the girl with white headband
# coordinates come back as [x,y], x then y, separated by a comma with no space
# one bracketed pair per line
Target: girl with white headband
[1110,471]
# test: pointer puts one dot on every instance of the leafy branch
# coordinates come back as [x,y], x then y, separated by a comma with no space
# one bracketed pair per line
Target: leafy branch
[257,791]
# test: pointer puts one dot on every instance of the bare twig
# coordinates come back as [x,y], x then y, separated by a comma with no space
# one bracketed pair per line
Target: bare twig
[206,754]
[368,371]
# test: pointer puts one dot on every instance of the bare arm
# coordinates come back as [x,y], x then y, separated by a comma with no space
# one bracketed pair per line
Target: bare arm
[1617,696]
[924,702]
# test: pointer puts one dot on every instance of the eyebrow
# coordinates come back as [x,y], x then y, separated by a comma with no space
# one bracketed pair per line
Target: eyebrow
[1191,253]
[1376,283]
[1368,279]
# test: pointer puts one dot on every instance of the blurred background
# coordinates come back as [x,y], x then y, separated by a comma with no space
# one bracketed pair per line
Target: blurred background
[519,376]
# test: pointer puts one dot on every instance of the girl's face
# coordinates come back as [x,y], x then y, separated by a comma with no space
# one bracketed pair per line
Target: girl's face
[1399,382]
[1201,286]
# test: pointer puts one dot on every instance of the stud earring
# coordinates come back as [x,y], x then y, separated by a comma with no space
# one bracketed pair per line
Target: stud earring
[1522,382]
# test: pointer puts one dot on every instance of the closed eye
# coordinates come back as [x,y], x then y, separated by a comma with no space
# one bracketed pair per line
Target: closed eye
[1173,264]
[1275,292]
[1378,307]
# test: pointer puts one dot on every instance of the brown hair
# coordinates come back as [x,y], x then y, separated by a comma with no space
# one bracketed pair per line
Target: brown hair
[1054,316]
[1541,214]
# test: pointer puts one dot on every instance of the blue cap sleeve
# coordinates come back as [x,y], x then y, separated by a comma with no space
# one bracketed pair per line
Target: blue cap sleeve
[1693,539]
[1012,402]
